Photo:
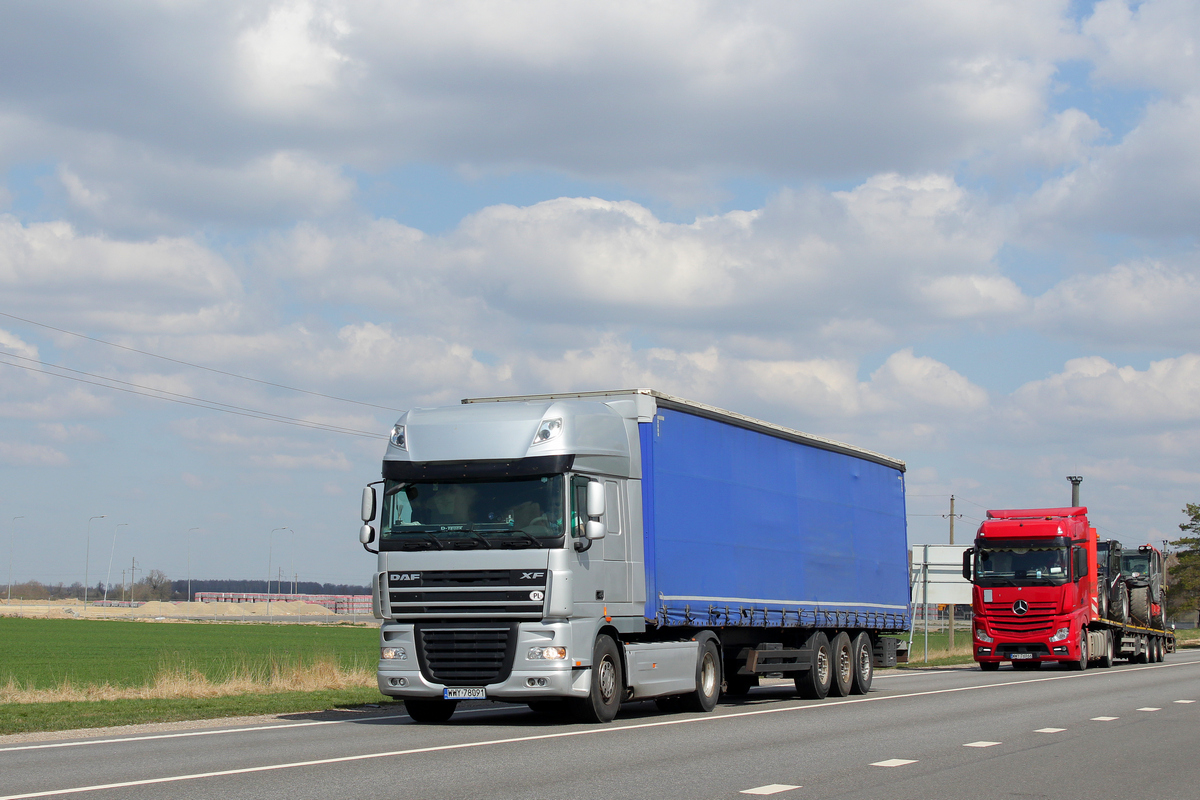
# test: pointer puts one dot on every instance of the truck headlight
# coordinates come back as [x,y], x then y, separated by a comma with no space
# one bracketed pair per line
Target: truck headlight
[981,636]
[1060,634]
[551,653]
[393,653]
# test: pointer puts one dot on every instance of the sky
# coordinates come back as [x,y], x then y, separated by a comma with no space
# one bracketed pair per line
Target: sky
[961,234]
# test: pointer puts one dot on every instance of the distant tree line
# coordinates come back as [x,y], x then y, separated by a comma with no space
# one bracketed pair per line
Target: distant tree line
[157,586]
[258,587]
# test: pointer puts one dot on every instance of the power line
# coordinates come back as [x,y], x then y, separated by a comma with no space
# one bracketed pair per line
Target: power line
[196,366]
[199,402]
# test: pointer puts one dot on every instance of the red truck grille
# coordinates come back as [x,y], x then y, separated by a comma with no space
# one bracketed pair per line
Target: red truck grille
[1038,619]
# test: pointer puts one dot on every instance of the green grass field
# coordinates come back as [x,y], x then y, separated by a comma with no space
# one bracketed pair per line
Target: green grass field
[42,653]
[48,653]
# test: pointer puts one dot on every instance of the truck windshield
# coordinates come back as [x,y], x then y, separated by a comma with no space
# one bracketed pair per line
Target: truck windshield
[1030,563]
[469,514]
[1136,565]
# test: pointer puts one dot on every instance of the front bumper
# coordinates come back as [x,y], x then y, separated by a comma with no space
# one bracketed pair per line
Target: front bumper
[529,679]
[1036,649]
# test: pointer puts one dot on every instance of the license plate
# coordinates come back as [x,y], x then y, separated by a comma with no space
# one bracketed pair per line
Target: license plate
[464,694]
[1015,657]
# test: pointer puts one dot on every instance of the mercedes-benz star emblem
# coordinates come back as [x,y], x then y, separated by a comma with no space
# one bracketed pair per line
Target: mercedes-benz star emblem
[1020,607]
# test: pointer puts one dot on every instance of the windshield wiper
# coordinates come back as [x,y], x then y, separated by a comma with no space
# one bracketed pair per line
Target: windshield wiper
[433,539]
[526,536]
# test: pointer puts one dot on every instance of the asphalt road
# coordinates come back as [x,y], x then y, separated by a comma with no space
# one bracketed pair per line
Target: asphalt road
[959,733]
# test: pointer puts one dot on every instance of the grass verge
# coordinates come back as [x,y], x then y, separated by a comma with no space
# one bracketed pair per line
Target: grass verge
[70,715]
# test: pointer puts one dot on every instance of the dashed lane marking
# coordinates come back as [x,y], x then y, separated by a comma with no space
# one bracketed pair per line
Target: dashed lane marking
[770,788]
[1149,708]
[1050,730]
[1185,701]
[894,762]
[981,744]
[1104,719]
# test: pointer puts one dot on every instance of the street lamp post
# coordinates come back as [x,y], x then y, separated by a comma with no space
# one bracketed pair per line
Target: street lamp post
[12,537]
[108,577]
[87,557]
[189,545]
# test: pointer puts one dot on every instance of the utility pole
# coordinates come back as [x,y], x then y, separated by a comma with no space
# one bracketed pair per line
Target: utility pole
[950,642]
[132,571]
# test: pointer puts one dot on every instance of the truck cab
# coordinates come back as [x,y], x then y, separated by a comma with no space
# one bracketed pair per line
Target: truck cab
[1034,591]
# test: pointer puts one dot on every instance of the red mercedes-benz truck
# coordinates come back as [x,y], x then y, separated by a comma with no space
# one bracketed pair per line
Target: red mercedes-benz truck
[1035,598]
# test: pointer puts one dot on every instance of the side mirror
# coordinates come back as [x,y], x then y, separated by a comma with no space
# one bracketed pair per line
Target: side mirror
[593,529]
[368,505]
[595,501]
[366,534]
[968,557]
[1081,569]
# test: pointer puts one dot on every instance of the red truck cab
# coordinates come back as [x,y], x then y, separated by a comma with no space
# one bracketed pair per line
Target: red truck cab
[1034,576]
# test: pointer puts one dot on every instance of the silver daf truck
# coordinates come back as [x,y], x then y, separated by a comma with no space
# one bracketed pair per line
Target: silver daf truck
[576,551]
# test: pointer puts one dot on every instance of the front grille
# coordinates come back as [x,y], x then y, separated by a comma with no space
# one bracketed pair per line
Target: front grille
[462,594]
[1037,620]
[466,655]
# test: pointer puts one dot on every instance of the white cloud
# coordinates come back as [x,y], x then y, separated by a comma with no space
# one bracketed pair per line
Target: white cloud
[1149,45]
[20,454]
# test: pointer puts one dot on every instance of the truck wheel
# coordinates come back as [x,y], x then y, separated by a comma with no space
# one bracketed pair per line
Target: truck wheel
[1081,663]
[429,710]
[864,664]
[1139,604]
[604,698]
[708,678]
[814,683]
[1142,656]
[989,666]
[1106,657]
[842,655]
[1158,650]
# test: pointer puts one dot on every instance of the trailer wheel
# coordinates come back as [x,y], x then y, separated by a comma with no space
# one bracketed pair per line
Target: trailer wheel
[989,666]
[1106,657]
[842,656]
[1158,650]
[708,678]
[1142,655]
[607,686]
[429,710]
[813,684]
[864,664]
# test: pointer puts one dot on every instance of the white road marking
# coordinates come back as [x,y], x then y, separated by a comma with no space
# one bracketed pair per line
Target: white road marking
[981,744]
[1185,701]
[711,718]
[1104,719]
[1050,730]
[770,788]
[1149,708]
[894,762]
[185,734]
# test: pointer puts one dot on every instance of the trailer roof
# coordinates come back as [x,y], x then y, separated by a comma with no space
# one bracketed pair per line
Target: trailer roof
[712,412]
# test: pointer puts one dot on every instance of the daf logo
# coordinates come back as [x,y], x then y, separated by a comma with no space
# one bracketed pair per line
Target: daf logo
[407,576]
[1020,607]
[531,576]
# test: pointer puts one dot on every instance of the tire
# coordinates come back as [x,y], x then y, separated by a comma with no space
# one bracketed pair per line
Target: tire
[1106,657]
[989,666]
[842,659]
[429,710]
[1120,609]
[1139,604]
[607,684]
[1102,603]
[1080,663]
[1159,651]
[864,664]
[1143,652]
[813,684]
[708,678]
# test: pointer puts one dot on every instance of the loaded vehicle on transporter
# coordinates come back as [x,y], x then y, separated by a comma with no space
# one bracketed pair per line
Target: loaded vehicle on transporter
[1046,590]
[576,551]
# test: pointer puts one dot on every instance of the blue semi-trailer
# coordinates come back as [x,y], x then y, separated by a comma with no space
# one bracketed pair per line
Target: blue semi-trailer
[574,551]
